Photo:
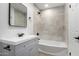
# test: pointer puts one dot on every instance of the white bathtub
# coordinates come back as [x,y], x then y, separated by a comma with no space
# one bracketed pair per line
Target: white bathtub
[53,48]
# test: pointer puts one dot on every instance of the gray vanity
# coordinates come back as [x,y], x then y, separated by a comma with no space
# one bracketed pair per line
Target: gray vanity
[26,46]
[22,45]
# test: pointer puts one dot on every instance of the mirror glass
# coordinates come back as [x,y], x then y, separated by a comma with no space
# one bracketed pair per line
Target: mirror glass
[17,15]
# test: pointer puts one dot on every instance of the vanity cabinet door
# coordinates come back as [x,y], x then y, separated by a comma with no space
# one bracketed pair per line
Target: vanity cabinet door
[27,48]
[22,51]
[34,51]
[7,52]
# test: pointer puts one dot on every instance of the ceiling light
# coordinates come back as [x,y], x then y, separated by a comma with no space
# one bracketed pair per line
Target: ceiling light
[46,5]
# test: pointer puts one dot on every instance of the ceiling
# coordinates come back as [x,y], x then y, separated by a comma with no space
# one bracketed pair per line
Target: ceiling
[43,6]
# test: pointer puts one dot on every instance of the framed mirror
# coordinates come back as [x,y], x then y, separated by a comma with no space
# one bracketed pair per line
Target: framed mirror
[17,15]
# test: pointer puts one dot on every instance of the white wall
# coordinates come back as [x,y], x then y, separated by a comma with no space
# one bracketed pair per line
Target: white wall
[51,24]
[6,30]
[73,29]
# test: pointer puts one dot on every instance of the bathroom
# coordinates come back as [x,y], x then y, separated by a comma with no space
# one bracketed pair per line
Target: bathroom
[37,29]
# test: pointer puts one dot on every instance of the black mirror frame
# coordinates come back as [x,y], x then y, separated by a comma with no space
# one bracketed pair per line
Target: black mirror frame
[10,20]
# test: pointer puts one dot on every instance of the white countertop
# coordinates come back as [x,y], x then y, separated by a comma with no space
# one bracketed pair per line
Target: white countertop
[17,40]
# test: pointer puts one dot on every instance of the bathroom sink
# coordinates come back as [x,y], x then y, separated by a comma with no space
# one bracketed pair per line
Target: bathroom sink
[17,40]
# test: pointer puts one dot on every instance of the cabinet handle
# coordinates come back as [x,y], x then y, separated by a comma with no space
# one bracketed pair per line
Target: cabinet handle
[7,48]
